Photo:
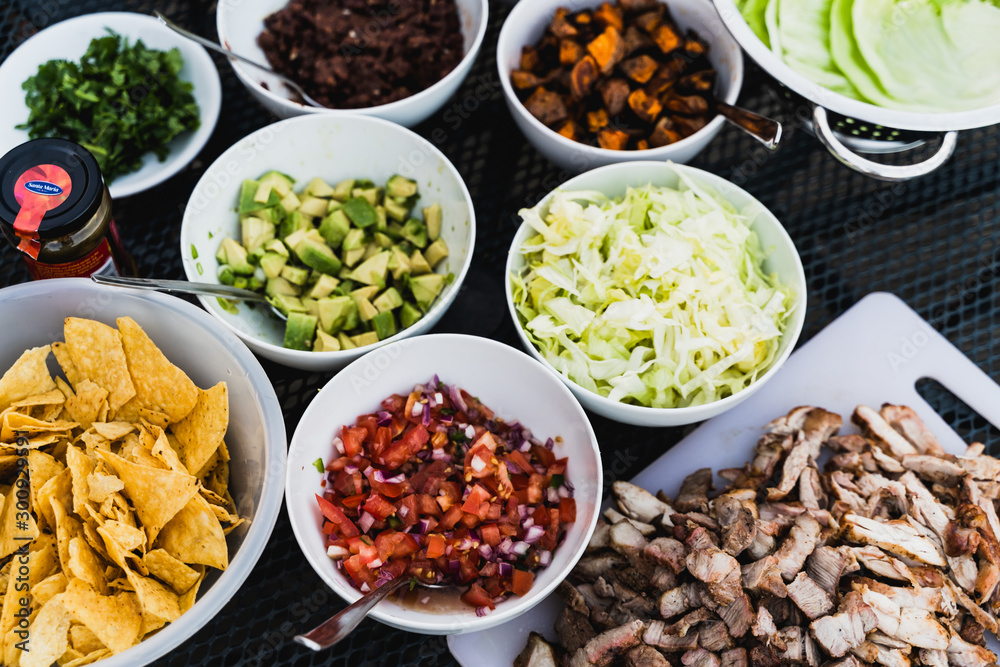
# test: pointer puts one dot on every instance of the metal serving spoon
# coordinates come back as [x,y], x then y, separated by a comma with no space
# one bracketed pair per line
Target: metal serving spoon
[296,88]
[338,626]
[761,128]
[185,287]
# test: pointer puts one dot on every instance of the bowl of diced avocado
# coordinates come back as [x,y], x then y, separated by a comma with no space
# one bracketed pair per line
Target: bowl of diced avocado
[358,231]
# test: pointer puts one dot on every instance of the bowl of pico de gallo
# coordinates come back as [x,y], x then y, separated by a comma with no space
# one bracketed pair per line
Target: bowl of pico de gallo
[449,460]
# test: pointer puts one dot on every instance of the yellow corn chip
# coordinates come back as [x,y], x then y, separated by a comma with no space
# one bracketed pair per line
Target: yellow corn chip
[97,353]
[170,571]
[101,486]
[88,659]
[155,600]
[41,468]
[40,565]
[17,527]
[159,384]
[83,639]
[49,635]
[81,465]
[16,424]
[154,417]
[27,377]
[93,441]
[53,397]
[115,430]
[8,462]
[119,554]
[202,431]
[85,564]
[209,466]
[103,411]
[195,536]
[164,452]
[187,599]
[61,352]
[85,405]
[127,536]
[48,413]
[233,526]
[47,588]
[67,527]
[114,619]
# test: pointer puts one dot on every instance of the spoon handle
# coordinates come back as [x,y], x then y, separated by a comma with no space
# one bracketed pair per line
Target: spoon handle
[761,128]
[181,286]
[340,625]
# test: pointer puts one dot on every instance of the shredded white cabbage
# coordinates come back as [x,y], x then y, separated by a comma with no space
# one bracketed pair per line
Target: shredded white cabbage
[657,299]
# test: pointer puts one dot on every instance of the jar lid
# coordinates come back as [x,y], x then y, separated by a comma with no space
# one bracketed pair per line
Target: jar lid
[48,188]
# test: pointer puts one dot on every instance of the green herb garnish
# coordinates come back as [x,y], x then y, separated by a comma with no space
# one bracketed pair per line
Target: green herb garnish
[120,102]
[318,464]
[228,305]
[394,522]
[557,481]
[447,411]
[194,252]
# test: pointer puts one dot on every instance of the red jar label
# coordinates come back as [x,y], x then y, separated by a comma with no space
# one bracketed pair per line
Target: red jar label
[38,191]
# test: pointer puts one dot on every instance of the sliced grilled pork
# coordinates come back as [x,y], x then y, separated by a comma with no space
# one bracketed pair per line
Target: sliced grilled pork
[798,545]
[764,577]
[908,424]
[845,630]
[719,570]
[573,629]
[913,626]
[736,657]
[826,565]
[737,518]
[963,654]
[645,656]
[809,596]
[638,503]
[693,496]
[605,647]
[665,638]
[699,657]
[738,615]
[896,537]
[876,428]
[536,653]
[667,551]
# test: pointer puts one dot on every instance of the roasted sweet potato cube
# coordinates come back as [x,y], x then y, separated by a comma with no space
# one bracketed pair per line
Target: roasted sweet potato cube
[614,93]
[583,77]
[523,80]
[637,5]
[610,15]
[650,21]
[614,140]
[570,51]
[547,106]
[694,46]
[664,78]
[640,69]
[570,130]
[688,126]
[597,120]
[608,49]
[690,105]
[583,18]
[641,145]
[560,26]
[529,58]
[701,82]
[645,107]
[666,38]
[664,133]
[636,40]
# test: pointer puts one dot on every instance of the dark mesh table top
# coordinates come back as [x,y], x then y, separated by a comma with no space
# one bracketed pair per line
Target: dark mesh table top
[933,242]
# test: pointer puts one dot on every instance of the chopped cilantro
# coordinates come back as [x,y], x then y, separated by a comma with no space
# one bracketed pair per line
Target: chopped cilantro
[557,481]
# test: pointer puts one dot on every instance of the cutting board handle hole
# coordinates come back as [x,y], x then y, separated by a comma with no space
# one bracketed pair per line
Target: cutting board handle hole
[968,423]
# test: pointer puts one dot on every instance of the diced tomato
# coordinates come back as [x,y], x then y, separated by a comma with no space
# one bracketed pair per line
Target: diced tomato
[540,516]
[328,527]
[437,471]
[521,495]
[450,518]
[359,571]
[495,512]
[439,439]
[415,438]
[567,510]
[475,498]
[508,529]
[334,514]
[427,505]
[354,501]
[390,490]
[550,539]
[393,569]
[406,511]
[544,455]
[406,545]
[487,440]
[394,403]
[521,461]
[435,545]
[379,507]
[493,585]
[512,513]
[469,520]
[444,502]
[490,533]
[381,441]
[506,486]
[473,404]
[559,467]
[521,582]
[477,596]
[337,464]
[536,485]
[343,483]
[370,424]
[479,462]
[468,571]
[385,542]
[354,438]
[394,455]
[451,489]
[408,409]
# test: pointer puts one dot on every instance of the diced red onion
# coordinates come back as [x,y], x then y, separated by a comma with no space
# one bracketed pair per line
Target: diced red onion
[423,526]
[350,470]
[563,492]
[365,522]
[417,410]
[448,550]
[505,546]
[365,588]
[550,443]
[513,468]
[383,579]
[403,511]
[439,397]
[506,569]
[378,476]
[435,381]
[384,418]
[540,469]
[521,548]
[339,445]
[498,599]
[447,419]
[545,558]
[455,394]
[528,523]
[368,471]
[473,414]
[375,564]
[552,495]
[425,599]
[423,455]
[337,552]
[525,446]
[339,564]
[431,403]
[532,535]
[454,565]
[440,455]
[465,544]
[486,551]
[483,611]
[522,509]
[426,419]
[568,485]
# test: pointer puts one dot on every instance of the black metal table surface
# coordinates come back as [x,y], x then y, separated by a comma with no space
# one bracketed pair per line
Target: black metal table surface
[934,242]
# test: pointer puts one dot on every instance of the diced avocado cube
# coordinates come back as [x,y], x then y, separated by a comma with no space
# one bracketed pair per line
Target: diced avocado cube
[278,286]
[263,193]
[275,215]
[352,257]
[366,292]
[311,306]
[334,228]
[366,338]
[256,232]
[295,238]
[382,240]
[324,287]
[354,239]
[287,303]
[396,211]
[325,342]
[282,183]
[336,312]
[295,275]
[345,341]
[399,263]
[276,246]
[247,193]
[433,217]
[332,205]
[300,331]
[290,202]
[256,283]
[318,255]
[426,288]
[360,211]
[371,250]
[272,263]
[384,325]
[370,194]
[418,264]
[409,315]
[366,311]
[226,274]
[388,300]
[400,187]
[415,232]
[373,270]
[236,256]
[294,222]
[381,223]
[436,252]
[313,206]
[319,188]
[342,191]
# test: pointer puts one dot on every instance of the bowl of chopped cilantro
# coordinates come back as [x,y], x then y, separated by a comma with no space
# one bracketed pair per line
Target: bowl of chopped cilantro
[141,99]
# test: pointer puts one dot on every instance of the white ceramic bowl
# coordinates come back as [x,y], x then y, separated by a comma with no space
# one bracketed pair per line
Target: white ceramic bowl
[69,40]
[783,260]
[527,23]
[239,22]
[207,353]
[334,148]
[507,381]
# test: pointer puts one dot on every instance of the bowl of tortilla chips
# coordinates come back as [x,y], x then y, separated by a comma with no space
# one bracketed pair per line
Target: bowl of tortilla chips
[142,451]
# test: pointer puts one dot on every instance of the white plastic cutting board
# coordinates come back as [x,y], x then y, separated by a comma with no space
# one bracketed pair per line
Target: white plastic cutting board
[873,354]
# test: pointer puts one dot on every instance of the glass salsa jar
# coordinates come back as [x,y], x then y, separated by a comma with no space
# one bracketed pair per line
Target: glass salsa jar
[56,210]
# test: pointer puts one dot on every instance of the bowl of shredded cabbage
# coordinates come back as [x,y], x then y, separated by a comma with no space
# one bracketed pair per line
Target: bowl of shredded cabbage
[661,294]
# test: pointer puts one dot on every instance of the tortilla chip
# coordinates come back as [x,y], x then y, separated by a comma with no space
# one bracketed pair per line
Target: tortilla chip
[83,639]
[49,635]
[62,354]
[53,397]
[157,495]
[47,588]
[41,564]
[128,412]
[127,536]
[115,430]
[170,571]
[121,556]
[155,600]
[187,599]
[93,441]
[8,463]
[55,494]
[85,564]
[195,536]
[103,411]
[101,486]
[159,384]
[85,404]
[162,450]
[16,424]
[81,465]
[97,353]
[114,619]
[202,431]
[15,529]
[41,468]
[88,659]
[27,377]
[154,417]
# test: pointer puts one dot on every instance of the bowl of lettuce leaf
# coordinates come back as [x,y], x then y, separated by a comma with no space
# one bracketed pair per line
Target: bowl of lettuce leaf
[879,70]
